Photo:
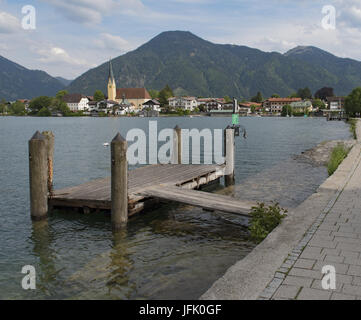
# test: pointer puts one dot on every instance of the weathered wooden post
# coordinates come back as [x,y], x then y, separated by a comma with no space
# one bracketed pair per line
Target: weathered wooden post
[50,155]
[229,155]
[38,176]
[177,145]
[119,182]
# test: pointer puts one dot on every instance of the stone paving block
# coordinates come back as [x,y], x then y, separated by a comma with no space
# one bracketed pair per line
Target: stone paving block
[298,281]
[329,227]
[350,254]
[311,253]
[314,294]
[286,291]
[348,246]
[353,290]
[341,268]
[332,258]
[317,284]
[356,262]
[323,232]
[305,263]
[333,252]
[305,273]
[346,234]
[340,296]
[348,240]
[323,243]
[354,270]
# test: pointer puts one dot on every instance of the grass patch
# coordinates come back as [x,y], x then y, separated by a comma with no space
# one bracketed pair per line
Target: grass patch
[339,153]
[353,124]
[264,219]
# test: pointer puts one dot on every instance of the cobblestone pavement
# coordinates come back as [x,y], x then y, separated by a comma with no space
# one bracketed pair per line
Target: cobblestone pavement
[334,239]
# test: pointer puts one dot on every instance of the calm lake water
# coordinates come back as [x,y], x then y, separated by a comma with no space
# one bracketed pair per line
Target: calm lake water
[175,252]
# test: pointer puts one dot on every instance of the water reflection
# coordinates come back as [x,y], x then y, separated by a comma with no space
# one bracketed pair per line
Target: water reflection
[42,239]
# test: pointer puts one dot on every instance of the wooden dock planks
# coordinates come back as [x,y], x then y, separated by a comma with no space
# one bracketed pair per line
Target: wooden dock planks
[96,194]
[205,200]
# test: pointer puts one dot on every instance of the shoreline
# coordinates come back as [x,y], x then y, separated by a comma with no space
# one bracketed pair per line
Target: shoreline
[248,278]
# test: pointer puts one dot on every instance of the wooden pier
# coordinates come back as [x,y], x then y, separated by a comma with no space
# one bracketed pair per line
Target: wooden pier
[165,182]
[126,193]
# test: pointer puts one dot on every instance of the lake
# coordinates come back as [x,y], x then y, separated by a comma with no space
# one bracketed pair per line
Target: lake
[175,252]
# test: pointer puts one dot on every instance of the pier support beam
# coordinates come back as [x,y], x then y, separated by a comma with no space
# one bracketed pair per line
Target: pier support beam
[119,182]
[177,146]
[50,154]
[38,177]
[229,155]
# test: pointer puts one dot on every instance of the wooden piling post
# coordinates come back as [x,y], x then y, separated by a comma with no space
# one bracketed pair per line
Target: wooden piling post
[177,145]
[50,155]
[119,182]
[38,177]
[229,155]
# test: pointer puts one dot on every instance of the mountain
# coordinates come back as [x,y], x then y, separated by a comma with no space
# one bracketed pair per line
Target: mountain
[17,82]
[193,66]
[347,72]
[65,82]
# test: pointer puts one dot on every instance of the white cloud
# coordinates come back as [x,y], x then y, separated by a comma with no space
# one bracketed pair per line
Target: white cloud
[93,11]
[112,42]
[8,23]
[58,55]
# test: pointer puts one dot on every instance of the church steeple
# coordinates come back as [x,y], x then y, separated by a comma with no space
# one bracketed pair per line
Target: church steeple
[112,89]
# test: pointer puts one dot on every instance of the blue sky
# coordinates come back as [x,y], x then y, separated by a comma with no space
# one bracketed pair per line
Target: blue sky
[72,36]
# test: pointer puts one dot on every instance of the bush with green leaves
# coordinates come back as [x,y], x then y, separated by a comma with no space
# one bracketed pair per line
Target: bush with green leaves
[339,153]
[264,219]
[353,125]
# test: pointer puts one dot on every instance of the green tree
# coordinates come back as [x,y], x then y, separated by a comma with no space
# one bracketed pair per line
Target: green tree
[60,95]
[154,94]
[38,103]
[353,102]
[17,108]
[98,95]
[323,93]
[318,104]
[275,95]
[286,110]
[227,99]
[202,108]
[253,108]
[294,95]
[3,106]
[165,94]
[44,112]
[257,98]
[59,105]
[304,93]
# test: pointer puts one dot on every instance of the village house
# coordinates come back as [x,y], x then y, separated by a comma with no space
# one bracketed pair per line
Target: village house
[336,103]
[302,106]
[246,107]
[76,102]
[211,103]
[275,105]
[186,103]
[152,105]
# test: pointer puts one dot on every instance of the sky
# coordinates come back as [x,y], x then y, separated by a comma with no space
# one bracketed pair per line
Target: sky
[72,36]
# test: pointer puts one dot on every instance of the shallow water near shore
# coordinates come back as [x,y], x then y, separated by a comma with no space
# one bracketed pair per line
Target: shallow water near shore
[174,252]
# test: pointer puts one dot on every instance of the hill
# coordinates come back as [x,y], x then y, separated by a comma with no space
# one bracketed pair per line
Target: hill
[191,65]
[18,82]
